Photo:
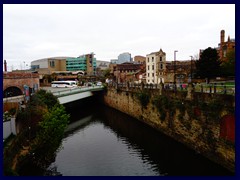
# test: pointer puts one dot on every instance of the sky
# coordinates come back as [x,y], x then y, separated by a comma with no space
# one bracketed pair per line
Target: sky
[36,31]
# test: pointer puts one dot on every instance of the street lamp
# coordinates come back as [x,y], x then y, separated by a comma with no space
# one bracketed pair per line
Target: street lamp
[191,70]
[175,69]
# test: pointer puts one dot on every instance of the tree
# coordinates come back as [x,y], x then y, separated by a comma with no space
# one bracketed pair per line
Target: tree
[47,98]
[39,104]
[106,73]
[208,66]
[228,67]
[50,135]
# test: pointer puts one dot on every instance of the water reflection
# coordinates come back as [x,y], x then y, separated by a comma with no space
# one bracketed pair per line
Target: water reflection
[108,143]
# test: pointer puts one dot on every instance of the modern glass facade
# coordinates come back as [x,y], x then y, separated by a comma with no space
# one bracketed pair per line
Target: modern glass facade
[124,57]
[80,64]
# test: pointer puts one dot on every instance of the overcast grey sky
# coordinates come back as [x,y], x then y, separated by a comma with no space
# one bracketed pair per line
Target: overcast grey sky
[32,32]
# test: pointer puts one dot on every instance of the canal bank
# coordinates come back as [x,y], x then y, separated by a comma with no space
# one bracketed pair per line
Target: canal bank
[200,125]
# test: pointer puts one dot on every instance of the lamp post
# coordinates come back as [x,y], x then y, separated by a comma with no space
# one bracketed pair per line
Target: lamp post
[191,70]
[175,69]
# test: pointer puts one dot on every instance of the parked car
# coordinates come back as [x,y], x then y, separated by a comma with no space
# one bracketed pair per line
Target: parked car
[99,84]
[88,84]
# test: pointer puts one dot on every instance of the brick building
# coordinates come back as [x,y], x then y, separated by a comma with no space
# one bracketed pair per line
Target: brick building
[183,70]
[140,59]
[128,71]
[225,46]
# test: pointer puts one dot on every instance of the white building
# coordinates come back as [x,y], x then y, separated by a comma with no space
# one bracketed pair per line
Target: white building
[103,65]
[155,67]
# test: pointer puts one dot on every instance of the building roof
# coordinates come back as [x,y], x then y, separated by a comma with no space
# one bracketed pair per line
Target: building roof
[59,58]
[157,52]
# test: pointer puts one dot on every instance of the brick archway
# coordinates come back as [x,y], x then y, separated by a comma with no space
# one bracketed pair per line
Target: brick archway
[12,91]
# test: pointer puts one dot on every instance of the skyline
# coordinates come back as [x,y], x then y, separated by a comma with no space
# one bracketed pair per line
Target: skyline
[32,32]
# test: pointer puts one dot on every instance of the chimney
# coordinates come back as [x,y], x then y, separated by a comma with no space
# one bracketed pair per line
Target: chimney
[222,36]
[5,65]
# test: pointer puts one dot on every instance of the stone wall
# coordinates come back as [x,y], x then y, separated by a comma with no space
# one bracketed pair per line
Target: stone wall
[191,123]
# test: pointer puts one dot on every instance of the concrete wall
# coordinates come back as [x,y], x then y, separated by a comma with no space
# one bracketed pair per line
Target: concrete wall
[195,131]
[9,128]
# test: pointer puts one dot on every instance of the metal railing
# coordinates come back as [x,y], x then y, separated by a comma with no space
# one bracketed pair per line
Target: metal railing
[65,92]
[203,88]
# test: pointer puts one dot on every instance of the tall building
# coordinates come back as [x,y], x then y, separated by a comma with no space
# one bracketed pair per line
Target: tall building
[86,63]
[155,67]
[124,57]
[225,46]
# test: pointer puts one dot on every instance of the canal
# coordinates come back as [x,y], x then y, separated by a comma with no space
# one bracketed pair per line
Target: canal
[101,141]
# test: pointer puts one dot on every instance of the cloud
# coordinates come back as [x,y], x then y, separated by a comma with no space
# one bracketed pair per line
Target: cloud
[33,32]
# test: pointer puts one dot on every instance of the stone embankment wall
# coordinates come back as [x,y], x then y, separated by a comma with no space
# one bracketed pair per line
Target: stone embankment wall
[203,122]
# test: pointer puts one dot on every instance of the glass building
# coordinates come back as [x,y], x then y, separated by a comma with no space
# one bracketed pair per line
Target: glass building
[124,57]
[86,63]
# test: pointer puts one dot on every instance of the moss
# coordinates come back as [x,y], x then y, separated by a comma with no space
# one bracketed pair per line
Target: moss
[163,115]
[180,117]
[144,98]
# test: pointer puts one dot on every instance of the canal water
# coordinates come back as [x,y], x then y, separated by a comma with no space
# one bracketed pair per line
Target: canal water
[101,141]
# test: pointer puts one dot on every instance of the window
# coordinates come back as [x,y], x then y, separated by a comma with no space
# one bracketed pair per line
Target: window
[148,74]
[148,67]
[161,66]
[52,64]
[152,59]
[152,67]
[148,59]
[224,53]
[160,58]
[152,74]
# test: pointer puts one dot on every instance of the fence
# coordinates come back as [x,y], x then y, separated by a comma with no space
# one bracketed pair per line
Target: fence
[203,88]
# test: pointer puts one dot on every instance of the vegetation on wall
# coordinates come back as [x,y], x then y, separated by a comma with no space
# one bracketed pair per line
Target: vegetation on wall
[44,121]
[228,67]
[144,98]
[164,105]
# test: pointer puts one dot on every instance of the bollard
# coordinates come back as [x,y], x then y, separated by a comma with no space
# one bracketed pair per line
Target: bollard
[190,91]
[214,88]
[161,88]
[224,89]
